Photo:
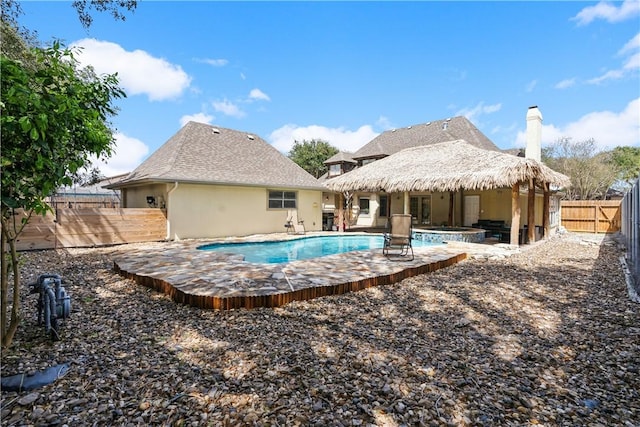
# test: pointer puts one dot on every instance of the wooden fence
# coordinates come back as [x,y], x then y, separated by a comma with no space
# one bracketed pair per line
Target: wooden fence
[591,216]
[93,227]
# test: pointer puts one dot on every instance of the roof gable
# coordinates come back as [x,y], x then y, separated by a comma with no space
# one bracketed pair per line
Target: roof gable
[392,141]
[340,157]
[206,154]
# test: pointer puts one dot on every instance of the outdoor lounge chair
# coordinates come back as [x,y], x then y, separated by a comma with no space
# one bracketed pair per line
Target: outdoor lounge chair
[397,241]
[293,224]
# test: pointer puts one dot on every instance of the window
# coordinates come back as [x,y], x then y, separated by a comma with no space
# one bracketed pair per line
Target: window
[335,169]
[282,199]
[364,205]
[367,161]
[384,206]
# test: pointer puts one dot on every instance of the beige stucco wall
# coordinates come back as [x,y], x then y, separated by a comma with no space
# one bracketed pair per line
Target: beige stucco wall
[136,197]
[206,211]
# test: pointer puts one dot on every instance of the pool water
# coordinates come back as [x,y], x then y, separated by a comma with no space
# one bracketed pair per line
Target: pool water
[298,249]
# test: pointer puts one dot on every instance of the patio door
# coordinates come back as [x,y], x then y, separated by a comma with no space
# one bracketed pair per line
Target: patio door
[471,210]
[420,209]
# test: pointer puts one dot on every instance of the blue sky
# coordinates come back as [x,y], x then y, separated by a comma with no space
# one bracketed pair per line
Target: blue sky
[346,71]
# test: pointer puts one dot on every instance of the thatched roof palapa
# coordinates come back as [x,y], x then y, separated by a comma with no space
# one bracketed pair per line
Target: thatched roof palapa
[447,166]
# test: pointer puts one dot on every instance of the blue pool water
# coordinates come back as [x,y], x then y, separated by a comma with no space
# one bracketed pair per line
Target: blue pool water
[298,249]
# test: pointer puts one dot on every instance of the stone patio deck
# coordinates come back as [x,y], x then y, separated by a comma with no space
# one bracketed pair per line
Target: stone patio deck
[213,280]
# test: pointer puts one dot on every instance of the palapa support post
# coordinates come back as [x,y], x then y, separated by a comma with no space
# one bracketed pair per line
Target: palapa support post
[545,209]
[341,213]
[531,211]
[515,214]
[451,206]
[407,206]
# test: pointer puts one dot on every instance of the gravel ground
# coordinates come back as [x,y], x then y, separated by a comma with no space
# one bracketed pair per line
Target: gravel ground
[547,336]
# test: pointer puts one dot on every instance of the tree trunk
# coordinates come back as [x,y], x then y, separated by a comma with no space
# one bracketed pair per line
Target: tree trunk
[8,330]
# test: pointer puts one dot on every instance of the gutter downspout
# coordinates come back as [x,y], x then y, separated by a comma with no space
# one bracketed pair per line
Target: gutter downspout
[175,186]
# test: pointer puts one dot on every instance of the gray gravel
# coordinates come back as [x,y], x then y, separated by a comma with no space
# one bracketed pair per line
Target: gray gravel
[547,336]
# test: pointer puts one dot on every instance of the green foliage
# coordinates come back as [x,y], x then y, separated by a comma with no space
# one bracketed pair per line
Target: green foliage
[592,173]
[311,155]
[53,119]
[627,159]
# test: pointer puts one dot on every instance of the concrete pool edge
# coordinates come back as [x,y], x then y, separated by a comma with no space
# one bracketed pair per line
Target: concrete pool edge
[228,283]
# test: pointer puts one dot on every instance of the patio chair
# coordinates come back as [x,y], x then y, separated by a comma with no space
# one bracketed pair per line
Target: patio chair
[293,224]
[397,240]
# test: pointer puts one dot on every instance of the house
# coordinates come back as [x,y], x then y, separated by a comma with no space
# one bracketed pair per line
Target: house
[454,182]
[216,182]
[371,209]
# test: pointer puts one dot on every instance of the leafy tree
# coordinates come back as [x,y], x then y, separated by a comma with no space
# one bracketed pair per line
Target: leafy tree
[11,10]
[88,176]
[592,173]
[627,159]
[54,119]
[114,7]
[311,155]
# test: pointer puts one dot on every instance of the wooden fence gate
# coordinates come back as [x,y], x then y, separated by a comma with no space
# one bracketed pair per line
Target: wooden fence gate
[92,227]
[591,216]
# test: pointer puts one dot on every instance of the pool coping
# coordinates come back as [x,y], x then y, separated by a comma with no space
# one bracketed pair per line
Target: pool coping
[212,280]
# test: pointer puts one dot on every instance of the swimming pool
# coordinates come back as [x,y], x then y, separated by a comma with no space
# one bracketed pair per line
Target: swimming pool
[298,249]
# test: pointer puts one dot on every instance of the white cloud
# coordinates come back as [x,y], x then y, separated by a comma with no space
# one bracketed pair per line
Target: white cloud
[257,94]
[198,117]
[608,11]
[531,85]
[384,123]
[228,108]
[566,83]
[631,64]
[473,113]
[609,75]
[609,129]
[138,71]
[341,138]
[213,62]
[631,45]
[127,155]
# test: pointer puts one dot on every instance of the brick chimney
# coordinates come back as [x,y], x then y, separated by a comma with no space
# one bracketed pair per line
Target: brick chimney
[534,133]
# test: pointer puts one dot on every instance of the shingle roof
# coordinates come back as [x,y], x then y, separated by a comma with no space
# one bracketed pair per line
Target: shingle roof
[206,154]
[392,141]
[339,157]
